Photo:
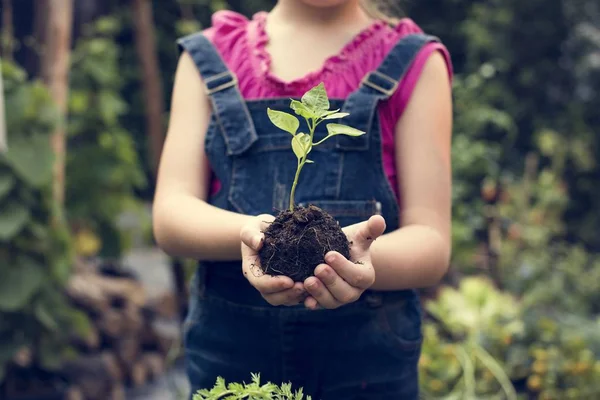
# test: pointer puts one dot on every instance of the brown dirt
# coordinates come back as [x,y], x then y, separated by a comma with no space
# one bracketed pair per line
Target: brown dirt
[296,242]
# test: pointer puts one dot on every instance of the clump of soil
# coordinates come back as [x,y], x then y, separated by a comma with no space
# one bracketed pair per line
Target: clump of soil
[296,242]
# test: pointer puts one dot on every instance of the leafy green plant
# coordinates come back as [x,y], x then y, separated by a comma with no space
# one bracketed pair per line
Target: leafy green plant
[285,251]
[563,355]
[102,161]
[314,108]
[250,391]
[35,245]
[478,323]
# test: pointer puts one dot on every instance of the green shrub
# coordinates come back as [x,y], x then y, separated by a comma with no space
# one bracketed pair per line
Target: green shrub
[35,253]
[103,166]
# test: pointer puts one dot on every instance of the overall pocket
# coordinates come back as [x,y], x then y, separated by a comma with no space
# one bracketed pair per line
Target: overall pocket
[400,324]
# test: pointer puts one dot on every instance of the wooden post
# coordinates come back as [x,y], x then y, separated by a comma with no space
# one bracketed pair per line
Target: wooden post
[55,71]
[153,94]
[7,30]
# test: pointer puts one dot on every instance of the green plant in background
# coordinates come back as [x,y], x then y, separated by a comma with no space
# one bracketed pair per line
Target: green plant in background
[250,391]
[563,354]
[35,254]
[102,161]
[482,133]
[537,261]
[314,108]
[478,324]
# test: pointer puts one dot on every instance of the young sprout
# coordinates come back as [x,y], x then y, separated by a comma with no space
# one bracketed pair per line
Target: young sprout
[314,108]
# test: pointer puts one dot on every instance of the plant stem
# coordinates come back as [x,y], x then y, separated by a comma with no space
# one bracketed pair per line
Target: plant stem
[302,161]
[468,372]
[298,169]
[496,369]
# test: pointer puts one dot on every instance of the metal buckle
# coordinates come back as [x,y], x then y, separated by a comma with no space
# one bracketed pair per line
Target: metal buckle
[230,83]
[387,92]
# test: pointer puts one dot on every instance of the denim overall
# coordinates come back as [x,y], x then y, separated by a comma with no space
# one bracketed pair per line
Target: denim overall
[365,350]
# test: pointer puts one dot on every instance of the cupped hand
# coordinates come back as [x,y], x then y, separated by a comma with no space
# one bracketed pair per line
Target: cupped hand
[276,290]
[341,281]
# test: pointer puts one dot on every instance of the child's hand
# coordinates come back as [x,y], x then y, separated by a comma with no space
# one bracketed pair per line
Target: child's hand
[277,290]
[342,281]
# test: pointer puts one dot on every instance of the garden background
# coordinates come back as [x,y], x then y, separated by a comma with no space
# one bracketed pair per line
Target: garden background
[87,92]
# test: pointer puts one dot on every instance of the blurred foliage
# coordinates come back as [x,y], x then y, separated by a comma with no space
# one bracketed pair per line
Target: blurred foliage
[485,344]
[103,165]
[524,159]
[465,350]
[539,63]
[35,250]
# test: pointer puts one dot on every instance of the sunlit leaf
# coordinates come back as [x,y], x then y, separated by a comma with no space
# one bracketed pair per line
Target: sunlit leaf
[316,99]
[284,121]
[301,145]
[338,129]
[336,115]
[302,110]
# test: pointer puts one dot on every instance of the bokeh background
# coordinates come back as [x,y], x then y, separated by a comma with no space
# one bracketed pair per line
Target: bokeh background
[90,309]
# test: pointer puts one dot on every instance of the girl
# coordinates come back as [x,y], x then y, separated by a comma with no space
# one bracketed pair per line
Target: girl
[351,331]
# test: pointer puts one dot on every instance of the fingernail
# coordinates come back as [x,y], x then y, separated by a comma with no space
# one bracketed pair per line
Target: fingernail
[286,282]
[257,241]
[324,272]
[330,257]
[311,284]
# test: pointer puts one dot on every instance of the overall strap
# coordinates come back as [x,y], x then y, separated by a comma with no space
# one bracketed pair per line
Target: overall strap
[378,85]
[221,85]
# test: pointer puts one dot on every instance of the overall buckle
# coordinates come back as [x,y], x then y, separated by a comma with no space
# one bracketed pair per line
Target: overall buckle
[384,80]
[220,82]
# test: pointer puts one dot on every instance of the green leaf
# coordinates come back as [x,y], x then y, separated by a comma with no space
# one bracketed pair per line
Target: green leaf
[302,110]
[338,129]
[31,158]
[284,121]
[336,115]
[316,99]
[301,145]
[13,219]
[6,184]
[19,283]
[44,315]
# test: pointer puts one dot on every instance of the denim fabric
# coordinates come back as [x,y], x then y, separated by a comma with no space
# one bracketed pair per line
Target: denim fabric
[365,350]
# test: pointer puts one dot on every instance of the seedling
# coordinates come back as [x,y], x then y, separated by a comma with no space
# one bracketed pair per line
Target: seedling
[314,108]
[255,390]
[297,241]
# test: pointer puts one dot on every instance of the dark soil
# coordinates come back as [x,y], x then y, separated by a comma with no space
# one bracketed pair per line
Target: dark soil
[296,242]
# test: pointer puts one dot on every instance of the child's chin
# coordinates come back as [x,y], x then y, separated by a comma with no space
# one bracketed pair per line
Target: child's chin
[324,3]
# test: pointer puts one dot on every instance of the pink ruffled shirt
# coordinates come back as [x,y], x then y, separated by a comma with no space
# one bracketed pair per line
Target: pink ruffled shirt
[242,44]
